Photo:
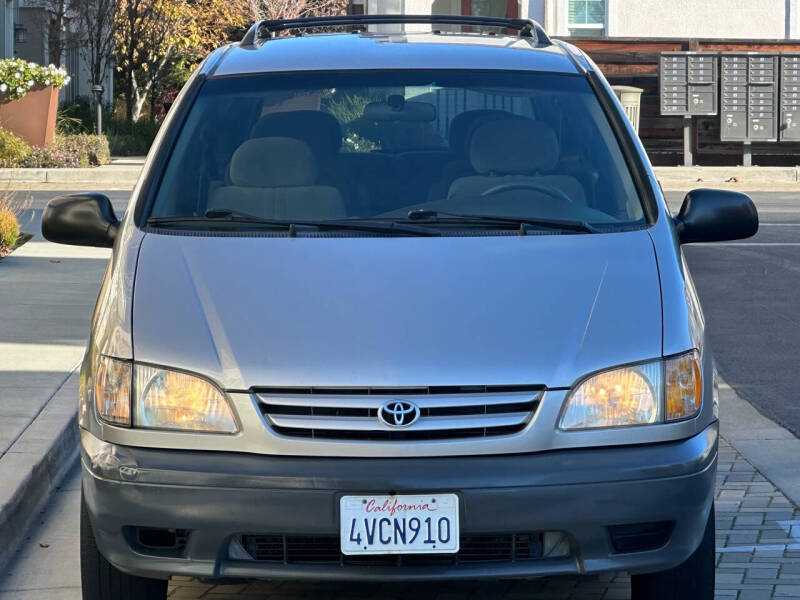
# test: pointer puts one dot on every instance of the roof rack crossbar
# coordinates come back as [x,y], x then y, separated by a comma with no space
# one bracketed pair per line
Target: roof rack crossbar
[264,29]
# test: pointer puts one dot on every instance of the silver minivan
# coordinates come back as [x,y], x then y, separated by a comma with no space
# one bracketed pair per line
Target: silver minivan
[398,307]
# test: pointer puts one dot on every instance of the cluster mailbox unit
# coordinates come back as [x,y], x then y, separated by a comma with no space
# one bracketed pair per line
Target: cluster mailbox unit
[749,98]
[790,98]
[688,86]
[688,83]
[756,94]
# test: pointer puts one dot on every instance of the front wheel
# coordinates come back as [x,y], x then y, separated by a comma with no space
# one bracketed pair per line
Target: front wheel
[692,579]
[100,580]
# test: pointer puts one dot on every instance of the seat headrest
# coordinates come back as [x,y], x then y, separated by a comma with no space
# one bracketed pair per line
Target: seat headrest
[463,125]
[320,130]
[513,146]
[273,162]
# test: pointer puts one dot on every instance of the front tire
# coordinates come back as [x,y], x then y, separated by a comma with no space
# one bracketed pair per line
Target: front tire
[693,579]
[100,580]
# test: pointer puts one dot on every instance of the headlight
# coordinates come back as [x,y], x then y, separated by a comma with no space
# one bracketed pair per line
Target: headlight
[166,399]
[652,392]
[112,390]
[626,396]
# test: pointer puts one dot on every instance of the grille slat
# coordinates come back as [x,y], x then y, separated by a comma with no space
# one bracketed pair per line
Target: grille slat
[325,550]
[446,412]
[425,423]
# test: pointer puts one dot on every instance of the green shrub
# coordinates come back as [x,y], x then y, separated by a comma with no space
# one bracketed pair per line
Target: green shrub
[90,150]
[13,149]
[49,158]
[131,139]
[9,228]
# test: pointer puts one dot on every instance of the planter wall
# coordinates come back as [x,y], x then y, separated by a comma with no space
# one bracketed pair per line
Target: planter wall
[33,117]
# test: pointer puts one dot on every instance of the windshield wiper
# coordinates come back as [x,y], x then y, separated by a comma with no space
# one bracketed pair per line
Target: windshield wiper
[232,216]
[522,222]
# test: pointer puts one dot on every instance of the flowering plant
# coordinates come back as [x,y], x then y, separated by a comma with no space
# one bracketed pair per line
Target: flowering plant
[18,77]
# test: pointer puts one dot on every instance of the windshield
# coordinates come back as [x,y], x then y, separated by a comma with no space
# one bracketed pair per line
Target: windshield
[423,147]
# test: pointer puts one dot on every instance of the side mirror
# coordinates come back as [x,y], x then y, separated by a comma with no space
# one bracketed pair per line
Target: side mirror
[80,220]
[715,216]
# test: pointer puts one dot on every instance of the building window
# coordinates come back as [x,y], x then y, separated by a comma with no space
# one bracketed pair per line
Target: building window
[356,7]
[587,17]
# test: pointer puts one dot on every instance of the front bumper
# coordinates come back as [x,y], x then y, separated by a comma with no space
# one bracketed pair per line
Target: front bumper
[217,496]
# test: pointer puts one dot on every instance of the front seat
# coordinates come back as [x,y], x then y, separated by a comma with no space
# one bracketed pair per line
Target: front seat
[514,151]
[276,178]
[460,133]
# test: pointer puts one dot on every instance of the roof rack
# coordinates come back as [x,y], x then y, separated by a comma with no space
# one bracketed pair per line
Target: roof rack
[265,29]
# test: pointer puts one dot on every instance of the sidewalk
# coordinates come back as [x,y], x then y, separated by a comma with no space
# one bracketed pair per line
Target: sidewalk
[736,178]
[46,295]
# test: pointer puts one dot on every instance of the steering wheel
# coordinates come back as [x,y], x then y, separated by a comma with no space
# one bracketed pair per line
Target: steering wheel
[527,185]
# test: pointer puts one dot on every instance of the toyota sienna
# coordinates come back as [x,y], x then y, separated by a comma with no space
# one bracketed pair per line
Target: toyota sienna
[398,306]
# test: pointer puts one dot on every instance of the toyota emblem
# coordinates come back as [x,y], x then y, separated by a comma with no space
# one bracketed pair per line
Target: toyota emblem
[398,413]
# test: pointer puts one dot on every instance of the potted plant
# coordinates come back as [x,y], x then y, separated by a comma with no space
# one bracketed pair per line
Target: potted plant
[29,99]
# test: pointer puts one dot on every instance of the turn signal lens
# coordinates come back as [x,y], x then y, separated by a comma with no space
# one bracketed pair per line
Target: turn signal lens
[112,390]
[617,398]
[173,400]
[683,386]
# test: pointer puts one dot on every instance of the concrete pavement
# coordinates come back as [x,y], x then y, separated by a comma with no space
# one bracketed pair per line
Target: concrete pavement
[46,294]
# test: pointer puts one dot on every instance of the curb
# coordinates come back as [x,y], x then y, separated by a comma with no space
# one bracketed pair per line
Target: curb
[35,464]
[716,175]
[117,175]
[770,448]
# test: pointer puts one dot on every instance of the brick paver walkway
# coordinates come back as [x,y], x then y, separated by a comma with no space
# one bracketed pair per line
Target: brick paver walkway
[758,545]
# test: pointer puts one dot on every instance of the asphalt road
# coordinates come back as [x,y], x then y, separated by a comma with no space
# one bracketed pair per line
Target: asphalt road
[750,292]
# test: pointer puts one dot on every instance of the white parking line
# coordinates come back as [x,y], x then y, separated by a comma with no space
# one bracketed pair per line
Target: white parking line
[755,244]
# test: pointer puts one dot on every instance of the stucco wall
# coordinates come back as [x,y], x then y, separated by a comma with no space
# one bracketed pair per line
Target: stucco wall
[698,18]
[742,19]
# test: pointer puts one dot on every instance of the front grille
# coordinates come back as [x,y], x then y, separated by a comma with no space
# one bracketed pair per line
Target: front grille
[445,412]
[325,550]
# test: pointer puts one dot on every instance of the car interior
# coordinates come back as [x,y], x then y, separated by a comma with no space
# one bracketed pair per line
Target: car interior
[298,158]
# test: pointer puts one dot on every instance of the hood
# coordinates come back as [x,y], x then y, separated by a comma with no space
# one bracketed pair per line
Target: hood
[403,311]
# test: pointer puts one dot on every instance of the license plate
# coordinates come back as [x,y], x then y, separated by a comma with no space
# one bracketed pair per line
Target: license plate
[404,524]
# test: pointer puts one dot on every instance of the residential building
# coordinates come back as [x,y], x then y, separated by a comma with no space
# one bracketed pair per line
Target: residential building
[32,43]
[489,8]
[8,10]
[711,19]
[708,19]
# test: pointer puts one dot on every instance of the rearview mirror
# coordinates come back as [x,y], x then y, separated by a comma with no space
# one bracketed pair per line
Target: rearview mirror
[80,220]
[715,216]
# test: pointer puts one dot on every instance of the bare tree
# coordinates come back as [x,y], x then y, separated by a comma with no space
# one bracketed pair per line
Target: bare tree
[96,29]
[293,9]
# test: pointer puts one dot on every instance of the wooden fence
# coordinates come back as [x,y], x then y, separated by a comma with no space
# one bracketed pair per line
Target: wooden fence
[635,62]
